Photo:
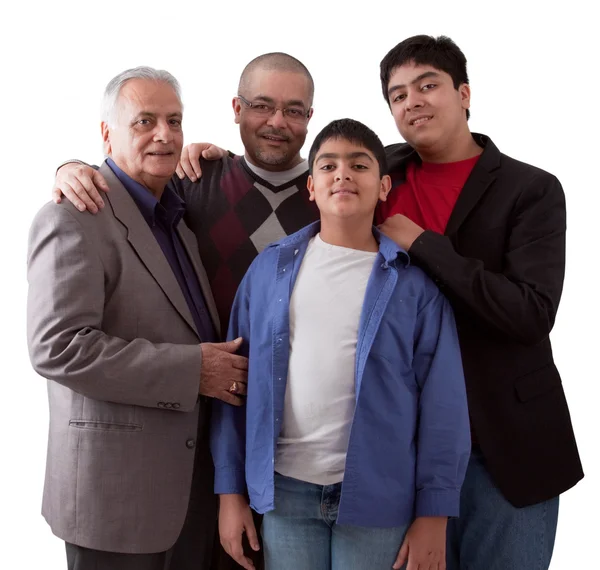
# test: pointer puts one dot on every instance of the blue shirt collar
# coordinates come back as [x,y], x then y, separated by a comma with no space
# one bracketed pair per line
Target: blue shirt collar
[170,209]
[389,249]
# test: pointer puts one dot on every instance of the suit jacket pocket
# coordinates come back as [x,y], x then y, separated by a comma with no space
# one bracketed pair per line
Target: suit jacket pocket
[104,426]
[537,383]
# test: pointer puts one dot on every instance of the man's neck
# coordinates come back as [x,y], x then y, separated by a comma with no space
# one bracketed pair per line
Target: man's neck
[455,148]
[156,189]
[274,167]
[349,233]
[154,185]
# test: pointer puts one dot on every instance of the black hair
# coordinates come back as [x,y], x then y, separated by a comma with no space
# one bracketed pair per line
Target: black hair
[354,132]
[441,53]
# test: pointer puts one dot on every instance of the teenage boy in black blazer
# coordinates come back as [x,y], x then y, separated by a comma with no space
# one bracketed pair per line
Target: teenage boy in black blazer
[491,232]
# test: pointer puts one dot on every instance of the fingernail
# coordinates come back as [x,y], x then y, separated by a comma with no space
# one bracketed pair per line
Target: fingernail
[81,208]
[102,204]
[193,178]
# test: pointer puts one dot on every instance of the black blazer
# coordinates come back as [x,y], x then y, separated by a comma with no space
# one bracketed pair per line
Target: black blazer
[501,265]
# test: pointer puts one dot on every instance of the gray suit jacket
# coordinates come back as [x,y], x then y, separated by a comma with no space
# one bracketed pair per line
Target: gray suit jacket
[110,329]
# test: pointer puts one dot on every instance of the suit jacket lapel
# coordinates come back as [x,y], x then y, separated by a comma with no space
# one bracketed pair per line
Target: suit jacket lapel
[191,246]
[143,241]
[478,182]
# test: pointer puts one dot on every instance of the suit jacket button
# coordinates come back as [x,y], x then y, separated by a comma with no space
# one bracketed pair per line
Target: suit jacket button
[176,405]
[168,405]
[161,404]
[190,443]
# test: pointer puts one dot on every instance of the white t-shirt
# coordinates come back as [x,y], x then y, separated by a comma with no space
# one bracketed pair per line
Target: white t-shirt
[325,309]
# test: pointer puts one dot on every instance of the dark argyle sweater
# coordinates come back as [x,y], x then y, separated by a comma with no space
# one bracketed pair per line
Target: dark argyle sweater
[235,214]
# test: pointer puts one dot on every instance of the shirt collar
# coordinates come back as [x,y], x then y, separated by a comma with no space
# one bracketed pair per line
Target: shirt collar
[278,178]
[170,209]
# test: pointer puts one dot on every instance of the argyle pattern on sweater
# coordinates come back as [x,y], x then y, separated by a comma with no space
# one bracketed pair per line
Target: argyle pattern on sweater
[234,214]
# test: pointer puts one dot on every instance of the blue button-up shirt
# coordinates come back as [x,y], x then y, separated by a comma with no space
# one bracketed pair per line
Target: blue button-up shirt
[163,217]
[409,442]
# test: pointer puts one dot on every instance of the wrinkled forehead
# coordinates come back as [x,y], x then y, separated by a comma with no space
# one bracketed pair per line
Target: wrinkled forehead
[146,95]
[281,87]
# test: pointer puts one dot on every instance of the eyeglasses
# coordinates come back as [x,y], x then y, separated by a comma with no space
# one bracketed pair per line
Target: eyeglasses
[292,114]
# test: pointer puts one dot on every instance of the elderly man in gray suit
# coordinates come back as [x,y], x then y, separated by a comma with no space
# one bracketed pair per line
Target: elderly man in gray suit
[122,323]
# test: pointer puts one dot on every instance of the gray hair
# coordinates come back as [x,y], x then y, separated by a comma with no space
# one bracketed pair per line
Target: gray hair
[113,89]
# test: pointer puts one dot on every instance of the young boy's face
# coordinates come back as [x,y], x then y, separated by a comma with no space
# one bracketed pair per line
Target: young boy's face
[426,106]
[346,182]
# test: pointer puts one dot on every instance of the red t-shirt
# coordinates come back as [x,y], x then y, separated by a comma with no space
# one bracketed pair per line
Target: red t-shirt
[429,193]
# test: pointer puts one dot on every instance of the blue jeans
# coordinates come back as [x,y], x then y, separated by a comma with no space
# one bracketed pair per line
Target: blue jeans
[301,533]
[491,534]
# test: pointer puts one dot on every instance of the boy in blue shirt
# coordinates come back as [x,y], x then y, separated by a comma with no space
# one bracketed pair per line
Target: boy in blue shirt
[354,440]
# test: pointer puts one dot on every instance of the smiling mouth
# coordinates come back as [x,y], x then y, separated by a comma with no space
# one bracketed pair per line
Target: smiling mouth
[344,192]
[160,153]
[273,139]
[420,120]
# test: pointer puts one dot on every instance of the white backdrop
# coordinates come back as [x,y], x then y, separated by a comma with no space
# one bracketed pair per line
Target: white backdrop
[534,80]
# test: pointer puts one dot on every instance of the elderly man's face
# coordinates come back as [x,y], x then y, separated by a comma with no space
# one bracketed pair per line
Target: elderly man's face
[145,137]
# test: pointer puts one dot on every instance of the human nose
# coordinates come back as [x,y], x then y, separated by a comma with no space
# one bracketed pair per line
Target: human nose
[343,173]
[163,133]
[413,100]
[277,118]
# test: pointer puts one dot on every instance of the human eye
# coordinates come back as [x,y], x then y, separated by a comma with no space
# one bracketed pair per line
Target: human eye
[175,122]
[262,107]
[428,86]
[327,167]
[294,113]
[143,122]
[360,166]
[398,97]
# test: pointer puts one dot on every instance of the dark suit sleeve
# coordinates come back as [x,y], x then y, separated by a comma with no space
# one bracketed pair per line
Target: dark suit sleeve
[520,301]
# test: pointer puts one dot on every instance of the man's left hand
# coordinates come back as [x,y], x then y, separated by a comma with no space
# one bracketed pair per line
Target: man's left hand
[402,230]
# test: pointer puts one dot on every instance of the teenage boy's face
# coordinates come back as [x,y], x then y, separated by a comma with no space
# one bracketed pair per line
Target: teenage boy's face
[426,106]
[345,182]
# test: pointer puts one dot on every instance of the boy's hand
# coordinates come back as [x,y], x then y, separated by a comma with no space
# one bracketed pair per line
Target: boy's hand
[235,518]
[424,545]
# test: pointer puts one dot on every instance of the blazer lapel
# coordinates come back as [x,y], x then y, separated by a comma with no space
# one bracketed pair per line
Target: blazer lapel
[191,246]
[478,182]
[144,243]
